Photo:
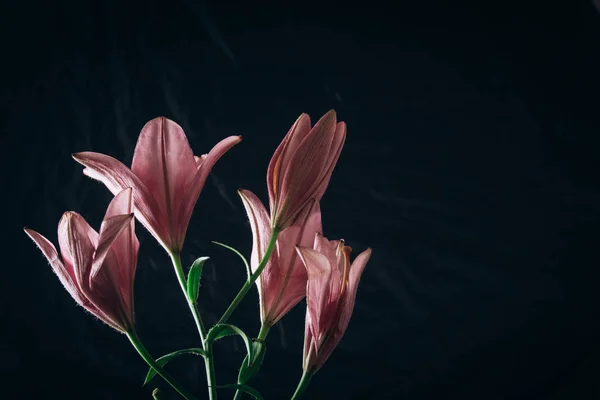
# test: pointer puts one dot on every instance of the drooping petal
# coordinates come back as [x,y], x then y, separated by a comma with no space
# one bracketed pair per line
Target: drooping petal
[195,186]
[117,177]
[66,277]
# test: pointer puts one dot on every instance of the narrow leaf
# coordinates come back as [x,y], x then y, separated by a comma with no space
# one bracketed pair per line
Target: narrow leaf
[248,270]
[221,330]
[162,361]
[250,368]
[156,394]
[244,388]
[193,280]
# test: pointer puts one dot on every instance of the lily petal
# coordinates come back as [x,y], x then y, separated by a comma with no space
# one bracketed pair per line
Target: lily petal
[306,166]
[78,245]
[117,177]
[281,158]
[317,288]
[110,229]
[261,232]
[126,246]
[259,223]
[336,149]
[345,308]
[163,160]
[356,270]
[192,192]
[66,276]
[286,284]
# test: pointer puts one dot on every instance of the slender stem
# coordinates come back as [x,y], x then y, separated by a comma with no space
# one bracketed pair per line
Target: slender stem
[136,342]
[262,335]
[238,395]
[302,385]
[264,331]
[207,346]
[248,284]
[210,371]
[176,259]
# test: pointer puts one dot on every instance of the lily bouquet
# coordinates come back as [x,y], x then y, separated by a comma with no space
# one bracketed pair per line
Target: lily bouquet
[290,259]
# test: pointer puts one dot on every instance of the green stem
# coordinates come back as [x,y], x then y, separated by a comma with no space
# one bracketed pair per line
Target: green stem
[302,385]
[208,358]
[136,342]
[264,331]
[248,284]
[176,259]
[210,371]
[262,335]
[238,395]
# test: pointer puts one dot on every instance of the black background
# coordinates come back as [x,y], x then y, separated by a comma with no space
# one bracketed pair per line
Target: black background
[470,168]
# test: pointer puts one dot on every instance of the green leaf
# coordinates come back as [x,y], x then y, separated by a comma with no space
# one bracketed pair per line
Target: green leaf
[221,330]
[162,361]
[248,270]
[250,369]
[244,388]
[156,394]
[193,280]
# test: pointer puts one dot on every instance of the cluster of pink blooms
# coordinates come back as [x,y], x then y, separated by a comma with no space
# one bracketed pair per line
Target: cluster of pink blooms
[160,191]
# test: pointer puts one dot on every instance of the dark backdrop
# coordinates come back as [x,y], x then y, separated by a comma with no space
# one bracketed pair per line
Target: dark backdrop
[470,168]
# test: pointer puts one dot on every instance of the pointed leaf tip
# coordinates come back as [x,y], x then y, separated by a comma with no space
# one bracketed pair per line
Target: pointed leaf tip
[162,361]
[221,330]
[194,275]
[248,270]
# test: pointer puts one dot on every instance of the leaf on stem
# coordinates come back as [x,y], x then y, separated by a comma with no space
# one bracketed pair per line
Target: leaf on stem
[248,270]
[162,361]
[221,330]
[193,280]
[250,368]
[243,388]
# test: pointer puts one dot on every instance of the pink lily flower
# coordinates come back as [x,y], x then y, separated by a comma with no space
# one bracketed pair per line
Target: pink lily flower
[165,176]
[98,269]
[330,296]
[282,284]
[301,167]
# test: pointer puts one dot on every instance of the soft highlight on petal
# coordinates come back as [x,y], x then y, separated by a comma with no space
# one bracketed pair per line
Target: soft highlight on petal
[117,177]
